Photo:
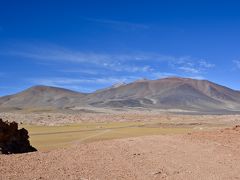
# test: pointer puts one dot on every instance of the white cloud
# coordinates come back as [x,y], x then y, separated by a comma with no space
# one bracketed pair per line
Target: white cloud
[115,62]
[197,77]
[237,63]
[159,75]
[131,62]
[191,65]
[206,64]
[80,71]
[118,24]
[122,67]
[80,84]
[57,81]
[105,69]
[189,69]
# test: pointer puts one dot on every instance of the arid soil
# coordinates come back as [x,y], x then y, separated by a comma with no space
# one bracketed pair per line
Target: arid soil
[199,155]
[52,119]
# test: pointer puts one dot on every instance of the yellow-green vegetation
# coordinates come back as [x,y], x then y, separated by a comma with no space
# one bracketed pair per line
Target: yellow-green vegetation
[51,137]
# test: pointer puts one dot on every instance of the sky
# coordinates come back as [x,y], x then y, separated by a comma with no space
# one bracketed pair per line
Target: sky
[87,45]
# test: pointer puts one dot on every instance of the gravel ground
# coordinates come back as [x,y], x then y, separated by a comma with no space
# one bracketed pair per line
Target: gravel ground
[53,119]
[200,155]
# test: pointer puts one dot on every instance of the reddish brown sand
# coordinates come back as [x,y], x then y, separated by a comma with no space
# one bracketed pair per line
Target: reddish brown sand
[201,155]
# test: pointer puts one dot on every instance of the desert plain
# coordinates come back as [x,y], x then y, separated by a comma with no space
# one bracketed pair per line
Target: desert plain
[125,145]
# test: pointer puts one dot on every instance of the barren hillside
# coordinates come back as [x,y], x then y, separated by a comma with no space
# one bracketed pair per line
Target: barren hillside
[164,94]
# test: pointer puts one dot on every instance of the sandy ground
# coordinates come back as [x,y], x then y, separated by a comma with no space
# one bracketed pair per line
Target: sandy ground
[199,155]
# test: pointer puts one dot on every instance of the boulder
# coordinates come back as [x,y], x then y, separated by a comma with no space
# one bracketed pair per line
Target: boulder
[14,140]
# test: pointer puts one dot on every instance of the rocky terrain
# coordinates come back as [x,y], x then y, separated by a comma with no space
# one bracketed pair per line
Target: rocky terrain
[208,151]
[198,155]
[13,140]
[181,95]
[55,119]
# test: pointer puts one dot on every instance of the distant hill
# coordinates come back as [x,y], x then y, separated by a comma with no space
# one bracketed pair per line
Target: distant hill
[38,97]
[166,94]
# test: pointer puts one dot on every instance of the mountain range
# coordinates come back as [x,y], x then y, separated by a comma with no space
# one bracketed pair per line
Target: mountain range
[173,93]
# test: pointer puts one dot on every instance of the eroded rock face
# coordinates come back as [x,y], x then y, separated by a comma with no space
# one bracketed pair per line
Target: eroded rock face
[14,140]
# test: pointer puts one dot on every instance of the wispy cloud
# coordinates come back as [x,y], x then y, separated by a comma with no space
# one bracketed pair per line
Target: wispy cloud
[79,84]
[131,62]
[158,75]
[104,69]
[114,62]
[53,81]
[80,71]
[205,64]
[189,69]
[117,23]
[237,63]
[191,65]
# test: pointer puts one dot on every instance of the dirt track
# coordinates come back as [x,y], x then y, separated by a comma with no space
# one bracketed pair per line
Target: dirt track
[206,155]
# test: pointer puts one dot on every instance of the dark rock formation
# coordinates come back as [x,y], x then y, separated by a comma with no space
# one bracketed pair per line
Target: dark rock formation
[14,140]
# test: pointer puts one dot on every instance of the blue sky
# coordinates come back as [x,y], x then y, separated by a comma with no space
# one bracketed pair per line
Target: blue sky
[87,45]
